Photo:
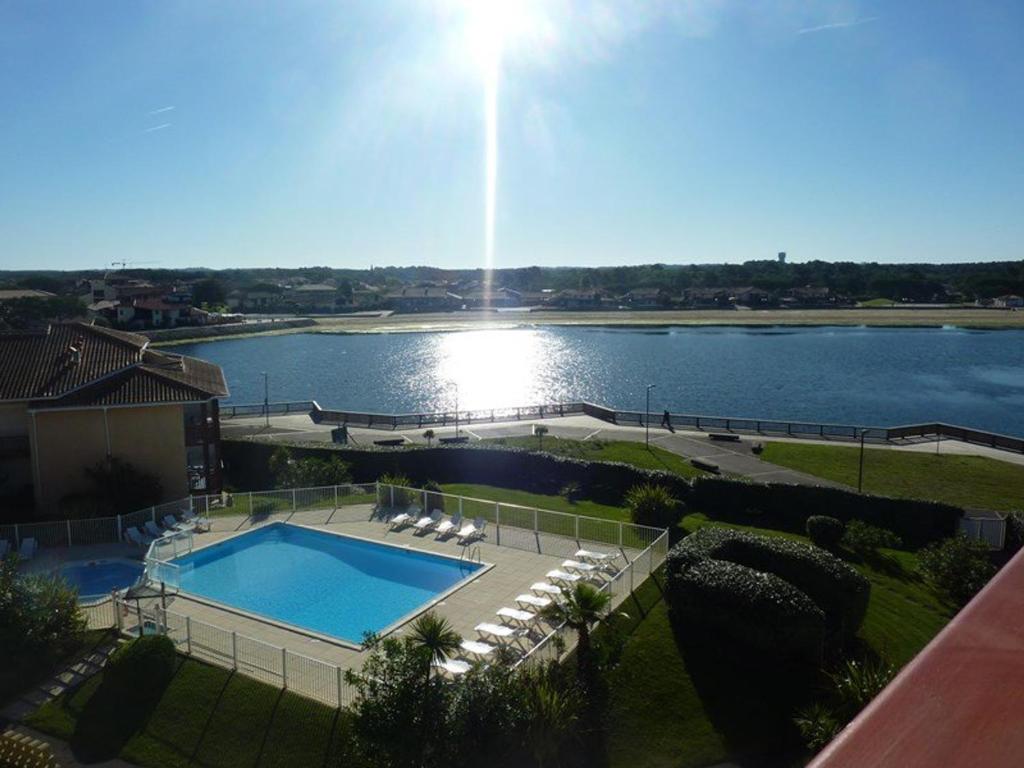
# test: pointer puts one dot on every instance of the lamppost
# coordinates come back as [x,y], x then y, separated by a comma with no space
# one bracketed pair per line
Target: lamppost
[860,470]
[647,417]
[456,385]
[266,400]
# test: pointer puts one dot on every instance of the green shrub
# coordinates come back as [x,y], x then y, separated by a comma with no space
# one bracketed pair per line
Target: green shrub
[435,496]
[724,602]
[39,614]
[144,665]
[825,531]
[262,507]
[818,725]
[653,505]
[402,494]
[958,566]
[866,539]
[571,492]
[835,587]
[856,683]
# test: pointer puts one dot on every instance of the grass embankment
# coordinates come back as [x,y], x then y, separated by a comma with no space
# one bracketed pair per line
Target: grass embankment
[966,481]
[209,716]
[623,451]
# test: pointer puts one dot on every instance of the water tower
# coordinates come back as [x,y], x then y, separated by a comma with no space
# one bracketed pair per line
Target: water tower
[782,257]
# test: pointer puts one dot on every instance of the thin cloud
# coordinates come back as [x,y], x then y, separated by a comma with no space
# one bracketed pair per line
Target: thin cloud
[837,25]
[160,111]
[157,128]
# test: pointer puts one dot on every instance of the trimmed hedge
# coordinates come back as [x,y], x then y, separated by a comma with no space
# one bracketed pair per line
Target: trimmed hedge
[742,607]
[788,506]
[835,587]
[779,506]
[142,667]
[824,531]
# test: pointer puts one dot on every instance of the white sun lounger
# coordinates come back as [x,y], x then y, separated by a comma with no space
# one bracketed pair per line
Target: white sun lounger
[191,518]
[449,526]
[404,518]
[497,631]
[597,558]
[454,666]
[546,589]
[562,576]
[28,548]
[429,521]
[474,530]
[478,648]
[517,615]
[584,569]
[170,522]
[533,600]
[154,530]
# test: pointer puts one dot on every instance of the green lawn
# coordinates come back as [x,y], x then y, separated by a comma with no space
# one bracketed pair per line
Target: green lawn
[624,451]
[966,481]
[538,500]
[211,717]
[871,303]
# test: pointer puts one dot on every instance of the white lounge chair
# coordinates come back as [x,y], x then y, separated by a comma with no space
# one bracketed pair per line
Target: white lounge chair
[28,548]
[497,631]
[546,588]
[449,526]
[534,601]
[563,577]
[191,518]
[454,666]
[474,530]
[517,615]
[584,569]
[597,558]
[170,522]
[477,648]
[154,530]
[404,518]
[427,522]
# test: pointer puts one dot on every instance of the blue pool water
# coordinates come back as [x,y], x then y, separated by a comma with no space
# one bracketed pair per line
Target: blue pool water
[334,585]
[97,578]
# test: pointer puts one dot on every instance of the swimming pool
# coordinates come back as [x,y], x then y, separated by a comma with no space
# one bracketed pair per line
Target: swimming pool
[323,582]
[96,579]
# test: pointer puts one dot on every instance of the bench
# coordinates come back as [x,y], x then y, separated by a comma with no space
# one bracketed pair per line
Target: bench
[707,466]
[390,442]
[726,437]
[449,440]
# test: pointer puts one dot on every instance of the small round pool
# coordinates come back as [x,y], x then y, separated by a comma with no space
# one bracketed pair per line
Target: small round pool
[98,578]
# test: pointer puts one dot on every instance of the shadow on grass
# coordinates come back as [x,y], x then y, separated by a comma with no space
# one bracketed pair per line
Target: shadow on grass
[749,701]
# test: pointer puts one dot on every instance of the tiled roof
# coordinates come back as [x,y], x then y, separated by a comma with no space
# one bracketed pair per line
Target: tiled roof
[80,364]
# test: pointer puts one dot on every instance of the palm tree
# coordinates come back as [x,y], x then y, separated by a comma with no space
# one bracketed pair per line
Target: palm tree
[435,638]
[429,436]
[551,714]
[540,430]
[582,606]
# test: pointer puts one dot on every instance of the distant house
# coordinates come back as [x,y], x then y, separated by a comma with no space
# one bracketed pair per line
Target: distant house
[809,296]
[707,298]
[646,298]
[75,395]
[255,299]
[313,297]
[426,298]
[579,300]
[749,296]
[480,298]
[1010,301]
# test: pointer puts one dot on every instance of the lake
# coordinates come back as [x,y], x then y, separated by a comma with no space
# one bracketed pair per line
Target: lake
[872,376]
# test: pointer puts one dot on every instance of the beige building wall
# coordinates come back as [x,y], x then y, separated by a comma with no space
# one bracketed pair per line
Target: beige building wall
[15,471]
[65,442]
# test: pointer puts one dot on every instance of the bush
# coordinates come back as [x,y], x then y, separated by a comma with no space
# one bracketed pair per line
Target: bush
[825,531]
[142,668]
[835,587]
[571,492]
[958,567]
[435,496]
[39,615]
[865,539]
[734,604]
[653,505]
[400,495]
[307,471]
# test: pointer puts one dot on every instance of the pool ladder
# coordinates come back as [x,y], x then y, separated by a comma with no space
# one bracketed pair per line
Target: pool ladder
[469,553]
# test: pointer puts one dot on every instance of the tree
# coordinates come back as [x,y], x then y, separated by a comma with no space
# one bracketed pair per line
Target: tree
[308,472]
[551,714]
[429,437]
[540,430]
[435,639]
[118,487]
[210,291]
[582,606]
[39,615]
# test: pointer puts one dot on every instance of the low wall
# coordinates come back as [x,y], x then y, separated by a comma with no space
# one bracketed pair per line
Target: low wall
[228,329]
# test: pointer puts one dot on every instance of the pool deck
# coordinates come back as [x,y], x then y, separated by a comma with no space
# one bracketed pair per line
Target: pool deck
[524,557]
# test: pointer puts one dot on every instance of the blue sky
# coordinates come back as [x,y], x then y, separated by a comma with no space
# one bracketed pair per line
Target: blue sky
[348,134]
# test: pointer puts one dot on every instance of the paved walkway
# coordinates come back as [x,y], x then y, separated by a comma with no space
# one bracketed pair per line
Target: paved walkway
[735,458]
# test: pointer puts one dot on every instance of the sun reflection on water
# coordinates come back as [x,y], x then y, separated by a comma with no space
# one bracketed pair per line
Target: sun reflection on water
[498,369]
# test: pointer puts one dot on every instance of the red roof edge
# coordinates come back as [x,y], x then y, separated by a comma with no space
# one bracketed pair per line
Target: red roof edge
[959,702]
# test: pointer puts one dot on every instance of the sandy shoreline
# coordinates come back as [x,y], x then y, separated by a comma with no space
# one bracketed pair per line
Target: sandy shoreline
[980,319]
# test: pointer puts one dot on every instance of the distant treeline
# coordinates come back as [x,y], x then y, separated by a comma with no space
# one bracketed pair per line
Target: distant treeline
[913,282]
